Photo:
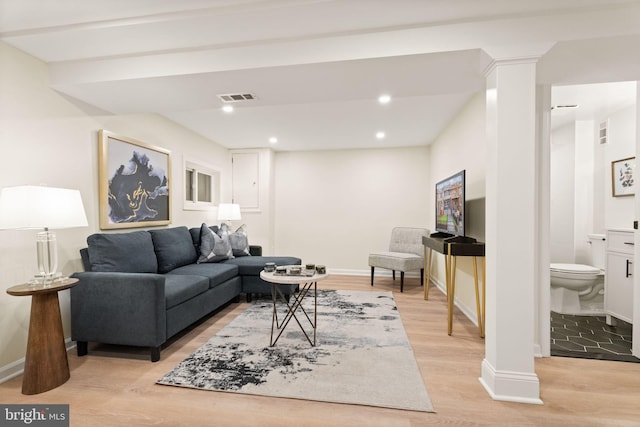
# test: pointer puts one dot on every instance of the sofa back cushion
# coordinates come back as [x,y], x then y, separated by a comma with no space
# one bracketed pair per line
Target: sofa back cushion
[173,247]
[122,252]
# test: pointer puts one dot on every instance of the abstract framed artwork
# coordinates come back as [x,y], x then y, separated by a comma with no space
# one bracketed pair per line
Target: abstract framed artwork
[623,176]
[134,180]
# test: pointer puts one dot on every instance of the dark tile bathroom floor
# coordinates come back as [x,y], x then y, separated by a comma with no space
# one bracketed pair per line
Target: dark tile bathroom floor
[589,337]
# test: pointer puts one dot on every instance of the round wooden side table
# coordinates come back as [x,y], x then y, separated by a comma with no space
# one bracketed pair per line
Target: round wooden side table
[46,366]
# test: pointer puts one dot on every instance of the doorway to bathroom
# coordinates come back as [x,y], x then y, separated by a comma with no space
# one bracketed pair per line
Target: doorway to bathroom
[592,126]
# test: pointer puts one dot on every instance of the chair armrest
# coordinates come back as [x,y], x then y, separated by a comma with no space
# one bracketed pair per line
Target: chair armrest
[255,250]
[119,308]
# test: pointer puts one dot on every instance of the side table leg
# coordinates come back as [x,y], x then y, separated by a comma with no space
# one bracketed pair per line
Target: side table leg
[46,365]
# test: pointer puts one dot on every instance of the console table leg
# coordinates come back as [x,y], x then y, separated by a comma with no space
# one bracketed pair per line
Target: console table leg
[449,299]
[478,312]
[452,286]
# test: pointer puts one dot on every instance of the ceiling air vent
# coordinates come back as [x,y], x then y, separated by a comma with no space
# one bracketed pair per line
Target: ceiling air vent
[602,134]
[237,97]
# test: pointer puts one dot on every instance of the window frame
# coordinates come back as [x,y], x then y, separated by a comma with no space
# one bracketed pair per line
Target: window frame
[200,169]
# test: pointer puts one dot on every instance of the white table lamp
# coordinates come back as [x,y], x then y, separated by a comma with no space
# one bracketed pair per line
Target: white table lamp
[37,207]
[229,212]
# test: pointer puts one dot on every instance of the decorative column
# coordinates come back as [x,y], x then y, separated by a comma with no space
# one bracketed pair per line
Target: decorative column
[511,231]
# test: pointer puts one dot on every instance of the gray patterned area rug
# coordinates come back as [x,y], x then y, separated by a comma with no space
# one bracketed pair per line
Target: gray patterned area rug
[362,356]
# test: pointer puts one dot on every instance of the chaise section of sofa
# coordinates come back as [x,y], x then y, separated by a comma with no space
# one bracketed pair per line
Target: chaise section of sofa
[141,288]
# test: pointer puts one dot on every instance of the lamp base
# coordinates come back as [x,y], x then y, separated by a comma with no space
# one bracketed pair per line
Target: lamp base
[47,251]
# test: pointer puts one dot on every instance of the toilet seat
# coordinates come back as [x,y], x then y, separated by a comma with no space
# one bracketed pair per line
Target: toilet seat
[574,270]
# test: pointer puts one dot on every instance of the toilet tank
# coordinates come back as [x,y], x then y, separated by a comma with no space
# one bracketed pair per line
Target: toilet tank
[598,249]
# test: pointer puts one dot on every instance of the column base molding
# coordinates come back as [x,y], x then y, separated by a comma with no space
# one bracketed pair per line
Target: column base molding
[509,386]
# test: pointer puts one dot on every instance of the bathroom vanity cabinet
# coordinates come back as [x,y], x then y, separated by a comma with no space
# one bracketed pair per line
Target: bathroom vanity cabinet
[618,294]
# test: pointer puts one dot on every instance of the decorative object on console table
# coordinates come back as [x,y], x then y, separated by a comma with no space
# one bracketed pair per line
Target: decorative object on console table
[622,177]
[38,207]
[134,183]
[46,365]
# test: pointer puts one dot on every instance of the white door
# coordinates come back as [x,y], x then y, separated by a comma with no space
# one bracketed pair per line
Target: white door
[245,176]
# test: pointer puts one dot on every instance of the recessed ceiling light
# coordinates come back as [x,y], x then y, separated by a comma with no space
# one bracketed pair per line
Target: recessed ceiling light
[227,108]
[273,140]
[384,99]
[380,135]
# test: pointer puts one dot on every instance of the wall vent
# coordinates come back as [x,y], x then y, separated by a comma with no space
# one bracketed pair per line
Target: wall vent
[237,97]
[602,134]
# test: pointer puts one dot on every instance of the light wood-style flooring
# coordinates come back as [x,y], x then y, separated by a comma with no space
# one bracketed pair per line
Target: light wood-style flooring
[116,386]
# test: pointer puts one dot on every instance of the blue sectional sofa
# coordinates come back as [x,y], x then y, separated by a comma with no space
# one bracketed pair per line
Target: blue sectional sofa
[141,288]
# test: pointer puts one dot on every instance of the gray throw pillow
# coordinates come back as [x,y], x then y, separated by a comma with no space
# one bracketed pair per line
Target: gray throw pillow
[240,242]
[213,248]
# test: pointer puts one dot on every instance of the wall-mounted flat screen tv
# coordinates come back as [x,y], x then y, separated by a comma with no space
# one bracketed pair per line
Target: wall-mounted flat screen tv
[450,205]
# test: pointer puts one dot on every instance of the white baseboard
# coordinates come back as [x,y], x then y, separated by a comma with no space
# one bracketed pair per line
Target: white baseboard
[16,368]
[520,387]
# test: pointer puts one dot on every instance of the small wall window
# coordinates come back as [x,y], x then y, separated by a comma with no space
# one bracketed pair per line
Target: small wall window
[202,186]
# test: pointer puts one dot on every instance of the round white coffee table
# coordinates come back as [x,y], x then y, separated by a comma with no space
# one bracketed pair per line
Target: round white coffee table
[306,284]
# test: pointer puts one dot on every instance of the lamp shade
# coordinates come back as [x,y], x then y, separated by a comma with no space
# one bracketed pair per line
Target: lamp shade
[29,206]
[229,212]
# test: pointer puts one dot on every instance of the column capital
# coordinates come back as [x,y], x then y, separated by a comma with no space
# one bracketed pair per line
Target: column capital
[515,55]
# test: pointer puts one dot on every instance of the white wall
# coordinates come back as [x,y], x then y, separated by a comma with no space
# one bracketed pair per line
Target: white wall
[581,195]
[462,146]
[335,207]
[562,180]
[47,139]
[622,136]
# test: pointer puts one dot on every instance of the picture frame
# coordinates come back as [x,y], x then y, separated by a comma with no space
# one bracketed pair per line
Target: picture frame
[623,177]
[134,183]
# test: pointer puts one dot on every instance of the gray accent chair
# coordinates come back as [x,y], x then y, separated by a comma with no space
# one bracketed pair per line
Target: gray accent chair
[405,253]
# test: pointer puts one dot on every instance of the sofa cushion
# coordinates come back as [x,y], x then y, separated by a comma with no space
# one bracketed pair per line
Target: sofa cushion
[213,247]
[173,248]
[240,242]
[178,288]
[216,273]
[253,265]
[122,252]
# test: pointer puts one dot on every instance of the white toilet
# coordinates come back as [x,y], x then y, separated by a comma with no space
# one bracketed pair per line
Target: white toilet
[577,288]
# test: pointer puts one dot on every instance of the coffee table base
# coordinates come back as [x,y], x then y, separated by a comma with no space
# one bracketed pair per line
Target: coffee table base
[293,305]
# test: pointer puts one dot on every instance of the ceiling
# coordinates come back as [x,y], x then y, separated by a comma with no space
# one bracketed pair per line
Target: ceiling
[317,67]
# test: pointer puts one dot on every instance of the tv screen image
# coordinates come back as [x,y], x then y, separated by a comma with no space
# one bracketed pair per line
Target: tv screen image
[450,205]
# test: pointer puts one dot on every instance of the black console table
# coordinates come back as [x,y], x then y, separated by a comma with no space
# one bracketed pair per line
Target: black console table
[452,247]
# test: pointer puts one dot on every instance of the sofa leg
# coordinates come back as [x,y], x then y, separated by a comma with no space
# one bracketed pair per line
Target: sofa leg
[372,268]
[236,299]
[401,281]
[421,276]
[82,348]
[393,272]
[155,354]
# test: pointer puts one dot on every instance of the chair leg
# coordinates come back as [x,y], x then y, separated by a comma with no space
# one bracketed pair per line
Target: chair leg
[401,280]
[372,268]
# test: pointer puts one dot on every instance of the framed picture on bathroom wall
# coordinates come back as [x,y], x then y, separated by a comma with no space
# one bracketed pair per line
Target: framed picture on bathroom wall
[134,180]
[623,177]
